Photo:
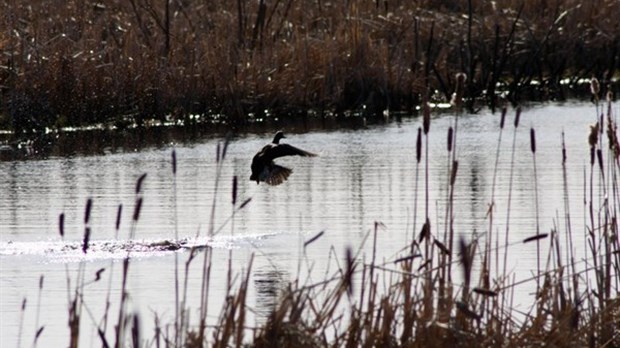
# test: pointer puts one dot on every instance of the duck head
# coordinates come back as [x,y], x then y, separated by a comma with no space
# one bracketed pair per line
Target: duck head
[254,177]
[279,135]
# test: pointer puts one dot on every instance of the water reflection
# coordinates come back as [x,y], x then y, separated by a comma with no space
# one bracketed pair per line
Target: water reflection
[268,284]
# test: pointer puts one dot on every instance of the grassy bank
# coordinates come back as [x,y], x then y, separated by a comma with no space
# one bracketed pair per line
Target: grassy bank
[125,62]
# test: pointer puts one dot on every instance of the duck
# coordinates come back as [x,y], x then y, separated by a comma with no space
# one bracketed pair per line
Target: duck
[263,167]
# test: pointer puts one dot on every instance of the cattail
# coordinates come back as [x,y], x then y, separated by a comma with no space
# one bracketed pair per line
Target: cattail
[136,339]
[592,151]
[217,153]
[348,281]
[517,116]
[311,240]
[426,231]
[563,149]
[450,137]
[245,203]
[455,168]
[139,183]
[41,282]
[24,304]
[442,247]
[98,274]
[38,333]
[225,148]
[234,190]
[61,224]
[457,97]
[609,97]
[462,306]
[533,140]
[612,137]
[136,212]
[89,205]
[485,292]
[407,258]
[118,216]
[174,162]
[418,146]
[503,117]
[426,116]
[466,260]
[593,137]
[86,239]
[599,156]
[536,237]
[595,87]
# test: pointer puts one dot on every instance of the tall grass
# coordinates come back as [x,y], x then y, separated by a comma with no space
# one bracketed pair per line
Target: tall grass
[123,62]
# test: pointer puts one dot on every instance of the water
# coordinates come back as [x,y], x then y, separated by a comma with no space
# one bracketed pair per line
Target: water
[359,177]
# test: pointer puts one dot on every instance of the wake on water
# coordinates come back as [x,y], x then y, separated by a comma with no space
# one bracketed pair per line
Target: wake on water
[74,251]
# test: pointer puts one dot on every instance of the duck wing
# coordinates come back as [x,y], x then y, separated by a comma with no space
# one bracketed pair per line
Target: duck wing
[282,150]
[275,174]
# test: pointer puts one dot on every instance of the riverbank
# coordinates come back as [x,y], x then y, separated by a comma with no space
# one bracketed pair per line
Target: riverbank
[124,63]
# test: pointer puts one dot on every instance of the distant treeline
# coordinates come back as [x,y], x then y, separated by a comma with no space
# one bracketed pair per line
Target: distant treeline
[118,62]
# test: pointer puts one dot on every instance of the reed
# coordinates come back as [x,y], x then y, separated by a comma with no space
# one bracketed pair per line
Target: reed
[142,62]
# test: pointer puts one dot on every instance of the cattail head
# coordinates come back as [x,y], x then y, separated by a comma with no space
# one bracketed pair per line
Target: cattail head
[118,216]
[426,117]
[595,87]
[533,140]
[425,233]
[136,212]
[466,260]
[217,153]
[61,225]
[612,137]
[226,143]
[174,162]
[599,157]
[503,117]
[139,183]
[246,202]
[563,149]
[418,146]
[348,280]
[457,97]
[517,116]
[609,97]
[86,239]
[593,137]
[234,190]
[450,137]
[89,205]
[98,274]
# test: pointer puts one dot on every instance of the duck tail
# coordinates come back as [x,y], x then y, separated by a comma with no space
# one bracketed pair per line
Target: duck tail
[277,175]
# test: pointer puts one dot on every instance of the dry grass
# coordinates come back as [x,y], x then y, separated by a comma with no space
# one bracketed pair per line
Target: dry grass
[120,62]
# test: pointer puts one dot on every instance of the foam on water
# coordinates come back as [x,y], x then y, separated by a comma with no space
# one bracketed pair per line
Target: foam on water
[73,251]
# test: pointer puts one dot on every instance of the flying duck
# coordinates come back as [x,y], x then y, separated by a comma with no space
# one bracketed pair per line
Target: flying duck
[263,168]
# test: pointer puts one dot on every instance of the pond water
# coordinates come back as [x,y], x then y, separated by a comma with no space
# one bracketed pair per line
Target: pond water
[359,177]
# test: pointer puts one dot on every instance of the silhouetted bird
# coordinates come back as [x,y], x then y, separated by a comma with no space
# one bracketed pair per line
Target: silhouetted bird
[263,168]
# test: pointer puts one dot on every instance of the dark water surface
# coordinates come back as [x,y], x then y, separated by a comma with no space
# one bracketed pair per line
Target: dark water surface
[360,176]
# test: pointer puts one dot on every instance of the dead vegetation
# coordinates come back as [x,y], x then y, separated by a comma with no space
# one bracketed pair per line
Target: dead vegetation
[125,62]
